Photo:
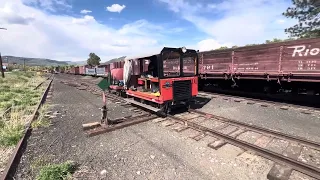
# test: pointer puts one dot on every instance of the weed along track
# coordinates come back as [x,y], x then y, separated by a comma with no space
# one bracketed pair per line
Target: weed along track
[17,151]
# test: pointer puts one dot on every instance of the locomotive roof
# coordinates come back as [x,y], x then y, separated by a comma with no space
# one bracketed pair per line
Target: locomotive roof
[154,54]
[141,56]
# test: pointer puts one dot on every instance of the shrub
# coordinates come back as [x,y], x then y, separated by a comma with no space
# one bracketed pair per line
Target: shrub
[56,171]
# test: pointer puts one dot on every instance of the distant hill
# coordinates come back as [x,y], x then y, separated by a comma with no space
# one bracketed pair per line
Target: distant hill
[49,62]
[114,60]
[33,61]
[76,62]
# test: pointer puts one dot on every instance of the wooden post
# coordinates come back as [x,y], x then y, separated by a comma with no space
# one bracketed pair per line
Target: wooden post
[104,118]
[1,67]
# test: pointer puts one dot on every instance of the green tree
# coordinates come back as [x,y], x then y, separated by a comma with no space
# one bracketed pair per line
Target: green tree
[222,47]
[275,40]
[93,59]
[308,14]
[251,44]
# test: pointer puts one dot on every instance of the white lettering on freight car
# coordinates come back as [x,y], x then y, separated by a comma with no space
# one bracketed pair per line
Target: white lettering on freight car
[178,67]
[314,51]
[299,50]
[307,65]
[208,67]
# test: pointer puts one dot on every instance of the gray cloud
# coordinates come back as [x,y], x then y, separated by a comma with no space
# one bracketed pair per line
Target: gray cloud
[16,19]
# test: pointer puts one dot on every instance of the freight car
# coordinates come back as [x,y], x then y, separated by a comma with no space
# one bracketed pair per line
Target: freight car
[100,71]
[90,71]
[291,66]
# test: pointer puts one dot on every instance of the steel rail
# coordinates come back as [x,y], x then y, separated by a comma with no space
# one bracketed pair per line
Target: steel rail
[43,82]
[16,153]
[263,130]
[296,165]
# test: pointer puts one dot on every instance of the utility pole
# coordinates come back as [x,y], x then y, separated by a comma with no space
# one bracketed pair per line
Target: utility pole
[1,66]
[24,65]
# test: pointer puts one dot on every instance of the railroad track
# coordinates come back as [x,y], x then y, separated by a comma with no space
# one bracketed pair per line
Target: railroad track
[228,131]
[285,150]
[263,103]
[139,115]
[16,155]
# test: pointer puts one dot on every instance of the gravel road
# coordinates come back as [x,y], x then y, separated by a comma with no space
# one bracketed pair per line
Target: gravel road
[145,151]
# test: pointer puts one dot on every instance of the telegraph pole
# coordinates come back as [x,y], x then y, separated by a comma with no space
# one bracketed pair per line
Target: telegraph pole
[1,66]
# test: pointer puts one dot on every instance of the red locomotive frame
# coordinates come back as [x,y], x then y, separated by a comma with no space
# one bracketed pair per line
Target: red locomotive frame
[174,87]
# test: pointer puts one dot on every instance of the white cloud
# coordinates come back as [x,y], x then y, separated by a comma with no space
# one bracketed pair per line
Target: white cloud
[115,8]
[85,20]
[85,11]
[210,44]
[212,6]
[280,21]
[34,33]
[11,14]
[235,21]
[176,30]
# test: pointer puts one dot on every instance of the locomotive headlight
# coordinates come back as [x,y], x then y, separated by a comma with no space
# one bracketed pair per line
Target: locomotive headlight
[184,49]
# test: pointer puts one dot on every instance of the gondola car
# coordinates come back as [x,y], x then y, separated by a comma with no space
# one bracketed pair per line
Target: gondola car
[166,83]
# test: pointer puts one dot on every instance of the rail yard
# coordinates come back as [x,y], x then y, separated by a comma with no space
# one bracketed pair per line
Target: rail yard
[155,117]
[207,90]
[258,140]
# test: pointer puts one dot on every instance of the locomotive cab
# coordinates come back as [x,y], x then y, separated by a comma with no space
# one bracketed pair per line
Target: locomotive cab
[170,80]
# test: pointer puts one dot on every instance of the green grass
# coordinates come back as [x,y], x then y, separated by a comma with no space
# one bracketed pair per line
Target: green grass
[17,91]
[56,171]
[42,120]
[10,134]
[11,128]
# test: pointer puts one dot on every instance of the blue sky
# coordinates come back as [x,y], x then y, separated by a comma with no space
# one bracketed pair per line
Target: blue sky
[71,29]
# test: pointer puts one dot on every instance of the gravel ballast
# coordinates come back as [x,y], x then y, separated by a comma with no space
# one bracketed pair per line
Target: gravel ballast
[290,121]
[148,150]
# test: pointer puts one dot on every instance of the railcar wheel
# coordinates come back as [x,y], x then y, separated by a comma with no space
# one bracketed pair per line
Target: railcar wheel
[164,110]
[118,93]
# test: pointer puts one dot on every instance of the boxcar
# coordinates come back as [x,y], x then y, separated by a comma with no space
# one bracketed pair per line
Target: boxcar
[72,70]
[90,71]
[100,71]
[107,69]
[82,70]
[76,70]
